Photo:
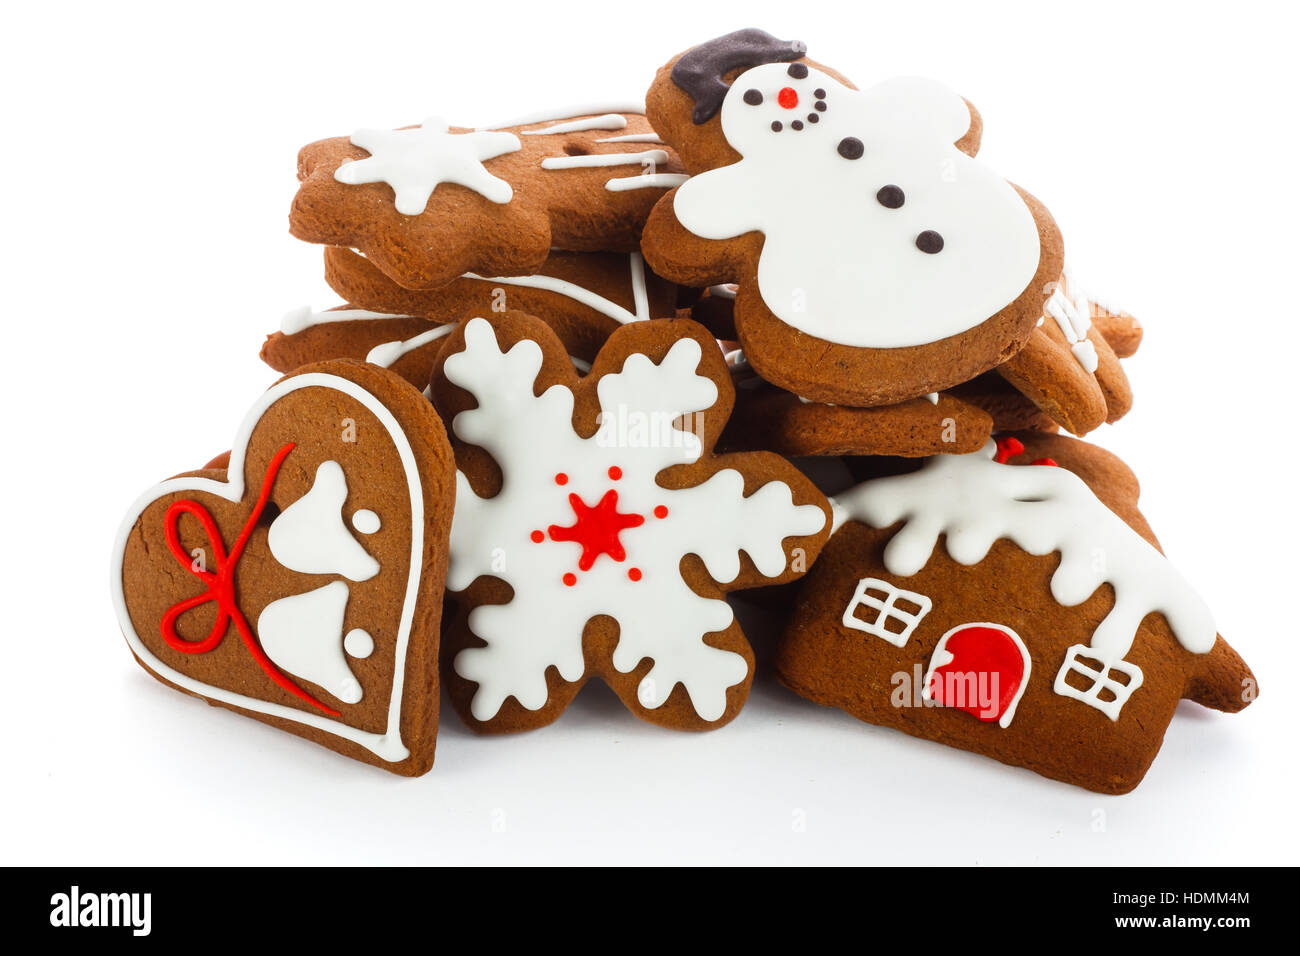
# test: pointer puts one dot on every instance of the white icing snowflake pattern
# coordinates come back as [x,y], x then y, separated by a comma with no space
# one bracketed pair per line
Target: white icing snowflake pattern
[416,161]
[581,528]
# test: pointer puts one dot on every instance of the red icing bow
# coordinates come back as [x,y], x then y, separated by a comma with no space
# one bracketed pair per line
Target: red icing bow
[221,582]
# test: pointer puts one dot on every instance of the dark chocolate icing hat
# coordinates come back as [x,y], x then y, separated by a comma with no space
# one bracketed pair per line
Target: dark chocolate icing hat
[699,72]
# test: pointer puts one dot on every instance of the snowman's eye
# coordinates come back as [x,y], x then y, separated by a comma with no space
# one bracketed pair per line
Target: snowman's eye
[798,70]
[891,197]
[753,97]
[851,147]
[929,242]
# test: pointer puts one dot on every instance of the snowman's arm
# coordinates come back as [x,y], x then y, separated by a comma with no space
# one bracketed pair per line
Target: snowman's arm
[719,204]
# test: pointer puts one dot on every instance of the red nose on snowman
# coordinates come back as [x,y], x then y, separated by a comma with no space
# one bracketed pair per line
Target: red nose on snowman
[787,98]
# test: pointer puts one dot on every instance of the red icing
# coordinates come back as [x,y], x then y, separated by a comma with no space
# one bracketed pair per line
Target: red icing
[788,98]
[661,511]
[570,579]
[561,479]
[615,472]
[597,528]
[983,651]
[1045,461]
[1008,447]
[221,582]
[538,537]
[634,574]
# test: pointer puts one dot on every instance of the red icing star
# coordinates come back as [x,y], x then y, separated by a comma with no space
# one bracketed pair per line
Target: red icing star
[597,528]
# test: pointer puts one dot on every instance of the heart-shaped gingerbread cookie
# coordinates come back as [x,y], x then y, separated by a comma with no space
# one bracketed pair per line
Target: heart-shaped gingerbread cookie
[302,585]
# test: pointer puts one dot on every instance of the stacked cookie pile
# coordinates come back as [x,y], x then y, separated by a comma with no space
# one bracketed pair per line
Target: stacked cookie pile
[577,352]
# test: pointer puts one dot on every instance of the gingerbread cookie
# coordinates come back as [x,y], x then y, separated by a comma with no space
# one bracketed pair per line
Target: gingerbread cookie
[584,296]
[301,584]
[596,532]
[1013,603]
[877,260]
[430,203]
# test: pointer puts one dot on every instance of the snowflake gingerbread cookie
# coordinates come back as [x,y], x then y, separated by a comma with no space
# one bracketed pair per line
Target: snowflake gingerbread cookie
[1012,602]
[596,533]
[877,259]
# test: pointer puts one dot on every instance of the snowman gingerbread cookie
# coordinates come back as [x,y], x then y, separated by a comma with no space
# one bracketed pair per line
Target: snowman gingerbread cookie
[298,580]
[596,533]
[877,260]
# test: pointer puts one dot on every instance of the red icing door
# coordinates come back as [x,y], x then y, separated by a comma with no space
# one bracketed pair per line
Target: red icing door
[981,669]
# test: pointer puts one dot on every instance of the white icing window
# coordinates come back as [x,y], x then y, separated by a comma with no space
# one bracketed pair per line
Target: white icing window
[892,613]
[1106,685]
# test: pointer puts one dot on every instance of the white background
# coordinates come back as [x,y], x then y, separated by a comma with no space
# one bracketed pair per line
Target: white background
[147,168]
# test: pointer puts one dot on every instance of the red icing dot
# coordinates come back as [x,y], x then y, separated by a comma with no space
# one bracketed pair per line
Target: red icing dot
[661,511]
[788,98]
[570,579]
[615,472]
[634,574]
[1045,461]
[561,479]
[538,537]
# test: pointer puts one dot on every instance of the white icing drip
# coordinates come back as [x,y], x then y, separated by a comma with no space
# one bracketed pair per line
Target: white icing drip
[646,181]
[606,121]
[974,501]
[549,116]
[640,301]
[649,157]
[386,745]
[931,397]
[303,318]
[386,353]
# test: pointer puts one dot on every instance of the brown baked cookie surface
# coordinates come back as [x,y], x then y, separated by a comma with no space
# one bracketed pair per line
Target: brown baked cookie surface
[1013,603]
[428,204]
[301,584]
[596,533]
[877,260]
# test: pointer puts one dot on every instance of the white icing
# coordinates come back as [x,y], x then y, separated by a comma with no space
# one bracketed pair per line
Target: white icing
[366,521]
[605,121]
[303,318]
[586,109]
[972,501]
[1074,318]
[303,635]
[931,397]
[387,745]
[835,262]
[592,300]
[310,537]
[386,353]
[1099,680]
[414,162]
[882,598]
[660,617]
[621,184]
[633,138]
[650,158]
[358,643]
[726,290]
